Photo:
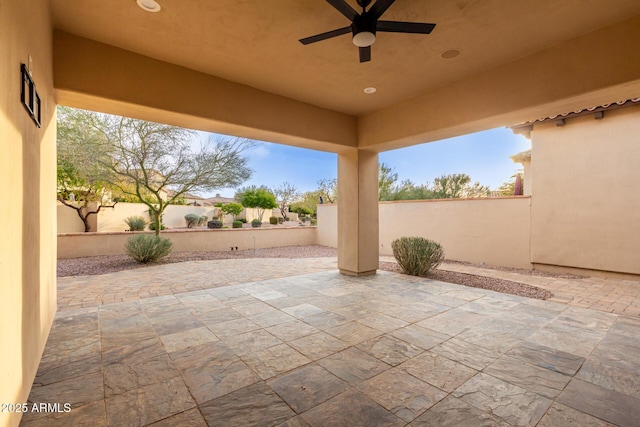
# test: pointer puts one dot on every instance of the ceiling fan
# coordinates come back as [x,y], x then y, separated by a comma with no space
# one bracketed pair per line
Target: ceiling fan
[365,25]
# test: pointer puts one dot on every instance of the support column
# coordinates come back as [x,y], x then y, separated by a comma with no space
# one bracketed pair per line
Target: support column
[358,212]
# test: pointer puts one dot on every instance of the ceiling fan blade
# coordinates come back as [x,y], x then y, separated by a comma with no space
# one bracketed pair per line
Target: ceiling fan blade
[344,8]
[380,7]
[405,27]
[365,54]
[327,35]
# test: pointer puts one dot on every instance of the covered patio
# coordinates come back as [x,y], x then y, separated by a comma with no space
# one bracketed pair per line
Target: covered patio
[237,67]
[295,343]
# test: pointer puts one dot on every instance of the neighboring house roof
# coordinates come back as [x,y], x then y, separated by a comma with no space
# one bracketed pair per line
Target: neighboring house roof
[170,193]
[598,111]
[219,199]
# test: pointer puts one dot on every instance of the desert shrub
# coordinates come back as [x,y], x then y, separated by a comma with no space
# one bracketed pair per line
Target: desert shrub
[202,220]
[218,205]
[280,220]
[301,210]
[255,223]
[237,224]
[152,226]
[273,220]
[192,220]
[136,223]
[214,223]
[146,248]
[286,218]
[417,255]
[314,221]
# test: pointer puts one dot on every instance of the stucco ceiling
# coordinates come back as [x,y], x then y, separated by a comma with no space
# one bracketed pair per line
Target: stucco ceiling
[256,42]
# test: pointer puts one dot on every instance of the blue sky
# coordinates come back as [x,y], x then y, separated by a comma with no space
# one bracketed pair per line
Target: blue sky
[484,156]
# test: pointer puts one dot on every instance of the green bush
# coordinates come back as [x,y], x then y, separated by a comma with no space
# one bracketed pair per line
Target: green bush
[203,220]
[243,220]
[136,223]
[152,226]
[233,209]
[214,223]
[301,210]
[255,223]
[273,220]
[237,224]
[280,220]
[286,218]
[417,255]
[314,221]
[146,248]
[192,220]
[218,205]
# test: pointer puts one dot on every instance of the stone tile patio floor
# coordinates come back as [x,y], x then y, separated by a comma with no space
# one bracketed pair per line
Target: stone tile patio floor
[293,343]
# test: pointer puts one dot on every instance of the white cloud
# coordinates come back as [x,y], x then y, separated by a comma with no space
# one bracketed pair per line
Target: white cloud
[260,151]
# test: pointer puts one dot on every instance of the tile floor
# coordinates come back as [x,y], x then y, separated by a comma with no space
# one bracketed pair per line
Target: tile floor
[294,343]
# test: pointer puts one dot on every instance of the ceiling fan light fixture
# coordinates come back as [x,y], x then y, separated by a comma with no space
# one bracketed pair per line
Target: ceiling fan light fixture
[149,5]
[364,39]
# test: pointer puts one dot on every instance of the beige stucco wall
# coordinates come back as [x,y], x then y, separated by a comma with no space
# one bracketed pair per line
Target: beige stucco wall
[328,225]
[93,244]
[69,222]
[586,202]
[112,219]
[27,214]
[494,231]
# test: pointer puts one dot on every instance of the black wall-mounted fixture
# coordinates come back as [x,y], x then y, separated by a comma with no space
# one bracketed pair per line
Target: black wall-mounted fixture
[29,96]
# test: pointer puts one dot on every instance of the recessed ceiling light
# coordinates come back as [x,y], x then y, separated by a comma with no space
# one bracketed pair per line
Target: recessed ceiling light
[370,90]
[149,5]
[450,53]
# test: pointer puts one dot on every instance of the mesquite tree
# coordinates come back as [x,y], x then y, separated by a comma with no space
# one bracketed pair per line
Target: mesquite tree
[285,194]
[81,181]
[156,164]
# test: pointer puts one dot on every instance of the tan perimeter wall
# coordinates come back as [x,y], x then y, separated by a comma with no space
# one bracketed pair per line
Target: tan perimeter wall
[112,219]
[586,192]
[27,214]
[93,244]
[493,231]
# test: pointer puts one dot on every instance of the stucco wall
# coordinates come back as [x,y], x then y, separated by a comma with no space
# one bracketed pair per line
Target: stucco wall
[27,214]
[493,231]
[92,244]
[112,219]
[328,225]
[586,199]
[68,220]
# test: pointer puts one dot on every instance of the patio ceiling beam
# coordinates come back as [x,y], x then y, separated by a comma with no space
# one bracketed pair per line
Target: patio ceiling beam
[100,77]
[600,67]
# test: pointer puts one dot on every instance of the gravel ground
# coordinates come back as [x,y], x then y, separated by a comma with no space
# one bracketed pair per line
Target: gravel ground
[112,263]
[498,285]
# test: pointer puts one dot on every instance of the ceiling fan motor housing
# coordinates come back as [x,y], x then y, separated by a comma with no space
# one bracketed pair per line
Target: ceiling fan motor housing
[361,25]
